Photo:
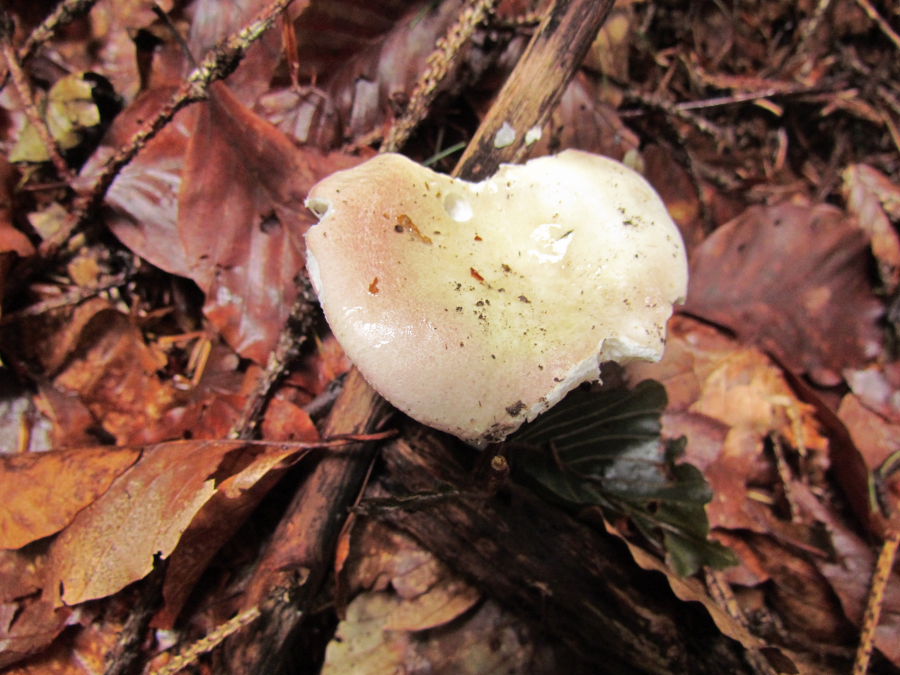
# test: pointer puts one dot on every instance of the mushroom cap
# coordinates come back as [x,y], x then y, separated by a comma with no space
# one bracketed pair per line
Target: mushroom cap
[474,307]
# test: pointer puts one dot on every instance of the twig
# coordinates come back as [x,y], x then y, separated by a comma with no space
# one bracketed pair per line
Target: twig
[26,97]
[217,65]
[294,334]
[208,642]
[439,64]
[73,297]
[535,86]
[812,25]
[883,25]
[62,15]
[721,592]
[678,111]
[876,598]
[126,654]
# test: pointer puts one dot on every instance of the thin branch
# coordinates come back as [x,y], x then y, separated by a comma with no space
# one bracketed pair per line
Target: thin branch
[293,335]
[440,62]
[883,25]
[62,15]
[26,96]
[535,86]
[208,642]
[876,599]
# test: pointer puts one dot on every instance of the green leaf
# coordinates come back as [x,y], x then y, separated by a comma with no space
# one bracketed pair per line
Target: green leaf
[604,449]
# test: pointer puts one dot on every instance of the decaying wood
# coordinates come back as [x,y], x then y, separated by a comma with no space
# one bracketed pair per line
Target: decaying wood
[300,554]
[574,581]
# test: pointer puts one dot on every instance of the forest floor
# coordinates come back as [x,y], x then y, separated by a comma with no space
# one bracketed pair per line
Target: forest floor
[193,475]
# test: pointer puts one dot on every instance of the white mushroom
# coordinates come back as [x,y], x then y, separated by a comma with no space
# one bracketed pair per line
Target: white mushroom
[474,307]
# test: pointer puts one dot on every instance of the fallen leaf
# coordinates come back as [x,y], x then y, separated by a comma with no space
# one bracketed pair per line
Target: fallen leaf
[144,195]
[677,189]
[729,400]
[27,628]
[114,372]
[604,449]
[870,197]
[144,513]
[256,470]
[487,641]
[247,263]
[44,491]
[11,239]
[800,594]
[82,651]
[828,319]
[849,571]
[431,595]
[875,437]
[285,421]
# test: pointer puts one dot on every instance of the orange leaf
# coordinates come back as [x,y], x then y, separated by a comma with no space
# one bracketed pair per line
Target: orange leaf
[44,491]
[145,512]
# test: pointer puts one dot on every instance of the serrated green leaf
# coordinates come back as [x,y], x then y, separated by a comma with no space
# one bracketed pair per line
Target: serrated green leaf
[604,449]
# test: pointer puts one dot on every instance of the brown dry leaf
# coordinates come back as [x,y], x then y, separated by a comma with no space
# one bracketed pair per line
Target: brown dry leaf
[83,652]
[365,56]
[689,590]
[870,197]
[28,623]
[610,51]
[49,339]
[114,372]
[285,421]
[20,574]
[27,628]
[11,239]
[382,558]
[440,604]
[792,279]
[849,572]
[800,594]
[44,491]
[113,28]
[214,20]
[319,369]
[146,511]
[253,472]
[727,400]
[678,191]
[245,247]
[876,437]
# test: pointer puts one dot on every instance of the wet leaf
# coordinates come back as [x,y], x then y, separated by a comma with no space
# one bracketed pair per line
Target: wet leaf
[246,264]
[144,195]
[114,373]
